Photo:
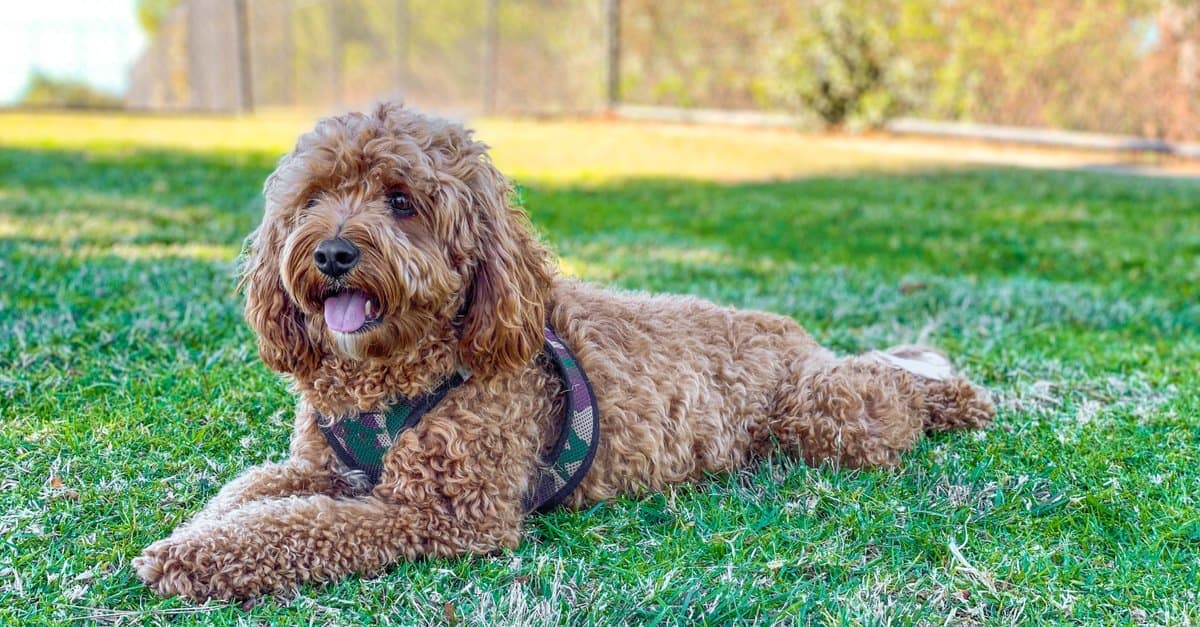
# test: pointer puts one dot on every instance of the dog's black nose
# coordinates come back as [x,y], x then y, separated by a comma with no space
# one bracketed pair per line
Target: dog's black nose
[335,257]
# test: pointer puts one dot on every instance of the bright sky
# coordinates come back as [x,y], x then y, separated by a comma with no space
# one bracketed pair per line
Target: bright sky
[94,40]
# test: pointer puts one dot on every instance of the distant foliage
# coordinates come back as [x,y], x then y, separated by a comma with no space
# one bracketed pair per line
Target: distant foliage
[1080,64]
[702,53]
[1123,66]
[152,13]
[47,91]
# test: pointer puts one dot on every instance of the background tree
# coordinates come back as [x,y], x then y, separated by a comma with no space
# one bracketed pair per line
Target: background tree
[1057,63]
[152,13]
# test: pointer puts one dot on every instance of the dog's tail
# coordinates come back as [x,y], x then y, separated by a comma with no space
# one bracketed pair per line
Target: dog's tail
[951,402]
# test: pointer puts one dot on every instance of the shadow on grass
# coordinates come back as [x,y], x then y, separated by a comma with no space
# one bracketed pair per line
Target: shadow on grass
[104,198]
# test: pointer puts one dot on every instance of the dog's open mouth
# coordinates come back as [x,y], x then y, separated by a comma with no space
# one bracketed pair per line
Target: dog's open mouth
[351,311]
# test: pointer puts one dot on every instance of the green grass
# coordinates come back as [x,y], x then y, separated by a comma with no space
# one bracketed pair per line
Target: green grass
[130,391]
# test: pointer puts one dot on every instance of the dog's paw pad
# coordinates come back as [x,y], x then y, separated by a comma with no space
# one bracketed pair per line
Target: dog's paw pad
[921,361]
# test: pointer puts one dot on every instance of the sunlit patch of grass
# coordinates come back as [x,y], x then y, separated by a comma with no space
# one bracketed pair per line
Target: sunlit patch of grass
[273,131]
[130,390]
[200,252]
[596,152]
[67,228]
[576,152]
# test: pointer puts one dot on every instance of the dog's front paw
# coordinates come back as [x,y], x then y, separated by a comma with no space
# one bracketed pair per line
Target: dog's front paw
[171,567]
[148,566]
[162,567]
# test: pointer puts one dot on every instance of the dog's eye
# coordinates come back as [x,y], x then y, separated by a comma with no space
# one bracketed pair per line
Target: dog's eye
[400,205]
[310,203]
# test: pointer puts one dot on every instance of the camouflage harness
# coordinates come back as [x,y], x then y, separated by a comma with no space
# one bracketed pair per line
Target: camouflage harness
[361,441]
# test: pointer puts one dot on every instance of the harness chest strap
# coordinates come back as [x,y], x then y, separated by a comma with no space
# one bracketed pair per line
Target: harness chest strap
[361,441]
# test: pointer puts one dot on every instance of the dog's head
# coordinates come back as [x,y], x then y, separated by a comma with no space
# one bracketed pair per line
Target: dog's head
[381,232]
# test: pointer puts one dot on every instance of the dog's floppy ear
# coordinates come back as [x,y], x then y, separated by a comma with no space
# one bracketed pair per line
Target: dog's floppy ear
[283,342]
[506,309]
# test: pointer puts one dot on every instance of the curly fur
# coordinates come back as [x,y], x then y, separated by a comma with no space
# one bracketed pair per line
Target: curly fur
[684,387]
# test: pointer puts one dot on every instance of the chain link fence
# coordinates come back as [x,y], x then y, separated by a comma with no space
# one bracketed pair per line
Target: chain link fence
[530,56]
[507,56]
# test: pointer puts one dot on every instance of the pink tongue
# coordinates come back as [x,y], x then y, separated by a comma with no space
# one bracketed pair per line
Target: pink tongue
[344,312]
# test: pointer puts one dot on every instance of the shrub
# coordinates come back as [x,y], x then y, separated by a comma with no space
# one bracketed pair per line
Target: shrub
[47,91]
[845,66]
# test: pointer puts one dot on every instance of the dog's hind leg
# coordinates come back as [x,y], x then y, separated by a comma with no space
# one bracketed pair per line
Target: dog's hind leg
[866,410]
[951,402]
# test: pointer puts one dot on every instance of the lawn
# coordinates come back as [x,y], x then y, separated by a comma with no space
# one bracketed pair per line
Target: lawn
[130,390]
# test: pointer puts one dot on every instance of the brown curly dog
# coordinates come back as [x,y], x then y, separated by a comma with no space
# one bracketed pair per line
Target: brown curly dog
[389,258]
